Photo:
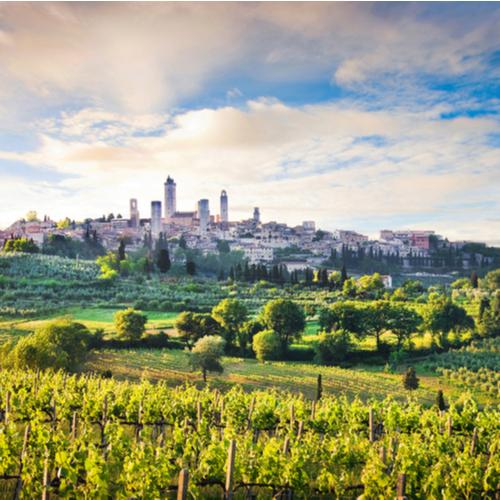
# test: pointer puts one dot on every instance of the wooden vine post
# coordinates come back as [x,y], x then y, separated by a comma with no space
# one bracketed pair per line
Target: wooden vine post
[449,425]
[250,412]
[401,487]
[383,455]
[24,451]
[230,470]
[74,423]
[473,443]
[182,489]
[371,426]
[46,479]
[199,415]
[7,408]
[286,445]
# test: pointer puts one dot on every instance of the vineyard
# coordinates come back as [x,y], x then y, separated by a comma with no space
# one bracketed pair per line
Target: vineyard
[66,436]
[475,367]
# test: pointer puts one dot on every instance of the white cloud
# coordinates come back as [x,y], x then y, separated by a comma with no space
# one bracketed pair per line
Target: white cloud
[295,162]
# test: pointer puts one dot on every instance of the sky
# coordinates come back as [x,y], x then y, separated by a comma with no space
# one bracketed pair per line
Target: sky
[359,116]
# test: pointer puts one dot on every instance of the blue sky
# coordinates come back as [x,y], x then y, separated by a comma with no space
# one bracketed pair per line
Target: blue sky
[356,115]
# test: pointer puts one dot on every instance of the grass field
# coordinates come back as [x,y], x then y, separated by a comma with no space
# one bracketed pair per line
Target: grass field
[367,382]
[92,318]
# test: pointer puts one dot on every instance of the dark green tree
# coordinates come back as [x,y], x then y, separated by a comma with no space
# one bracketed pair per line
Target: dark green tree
[163,261]
[286,318]
[440,400]
[410,380]
[190,267]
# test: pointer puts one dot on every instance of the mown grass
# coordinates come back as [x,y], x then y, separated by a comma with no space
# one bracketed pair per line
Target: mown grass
[172,366]
[92,318]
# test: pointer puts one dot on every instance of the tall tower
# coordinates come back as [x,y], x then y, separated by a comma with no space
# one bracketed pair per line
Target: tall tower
[170,198]
[155,218]
[203,215]
[224,214]
[134,213]
[256,215]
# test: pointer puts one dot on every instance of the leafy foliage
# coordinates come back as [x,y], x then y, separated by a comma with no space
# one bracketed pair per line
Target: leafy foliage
[130,324]
[266,345]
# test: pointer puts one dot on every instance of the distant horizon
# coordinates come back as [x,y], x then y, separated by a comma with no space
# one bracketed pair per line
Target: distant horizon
[357,116]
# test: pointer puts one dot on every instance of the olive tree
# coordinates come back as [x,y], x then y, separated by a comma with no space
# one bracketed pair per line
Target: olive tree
[206,355]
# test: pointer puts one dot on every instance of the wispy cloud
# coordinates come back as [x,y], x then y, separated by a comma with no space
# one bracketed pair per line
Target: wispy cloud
[112,97]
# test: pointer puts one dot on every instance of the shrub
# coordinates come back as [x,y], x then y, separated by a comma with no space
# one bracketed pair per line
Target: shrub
[410,380]
[266,345]
[130,324]
[333,347]
[61,344]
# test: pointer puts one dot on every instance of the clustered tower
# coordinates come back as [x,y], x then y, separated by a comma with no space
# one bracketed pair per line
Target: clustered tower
[134,213]
[224,213]
[170,198]
[203,215]
[155,218]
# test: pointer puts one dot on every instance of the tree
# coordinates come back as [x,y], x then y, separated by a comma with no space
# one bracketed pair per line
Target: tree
[130,324]
[402,321]
[319,388]
[190,268]
[60,344]
[346,315]
[474,280]
[441,316]
[121,251]
[491,281]
[206,355]
[26,245]
[440,400]
[349,288]
[489,320]
[32,216]
[266,345]
[410,380]
[286,318]
[193,326]
[370,286]
[381,315]
[343,275]
[163,261]
[64,223]
[110,266]
[231,314]
[223,246]
[333,347]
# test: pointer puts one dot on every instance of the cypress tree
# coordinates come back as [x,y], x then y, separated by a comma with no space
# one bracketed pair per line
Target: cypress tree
[319,388]
[343,275]
[163,261]
[440,400]
[410,380]
[190,267]
[474,280]
[121,251]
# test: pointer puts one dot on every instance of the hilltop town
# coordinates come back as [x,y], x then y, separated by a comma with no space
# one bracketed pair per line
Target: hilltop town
[297,247]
